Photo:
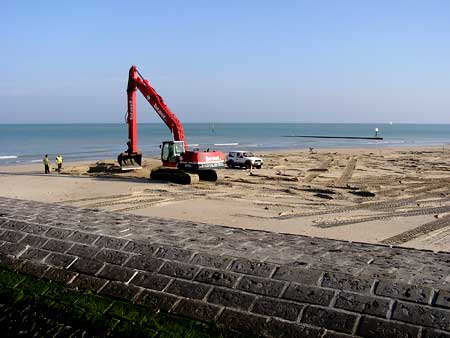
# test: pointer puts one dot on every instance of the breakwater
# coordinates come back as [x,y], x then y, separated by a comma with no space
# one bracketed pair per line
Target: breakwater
[248,282]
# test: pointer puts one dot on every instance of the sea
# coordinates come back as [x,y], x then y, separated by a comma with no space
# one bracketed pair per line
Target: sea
[28,143]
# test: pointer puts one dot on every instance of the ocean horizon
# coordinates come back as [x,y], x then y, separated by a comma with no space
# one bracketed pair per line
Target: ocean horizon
[27,143]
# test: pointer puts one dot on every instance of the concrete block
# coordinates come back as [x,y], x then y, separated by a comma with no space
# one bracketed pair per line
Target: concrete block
[35,254]
[362,303]
[83,250]
[156,300]
[262,269]
[231,298]
[35,229]
[172,253]
[375,328]
[112,256]
[141,248]
[443,299]
[59,260]
[300,275]
[87,282]
[431,333]
[217,277]
[120,290]
[111,242]
[329,319]
[215,262]
[281,329]
[144,262]
[308,294]
[34,240]
[243,322]
[150,281]
[115,272]
[33,268]
[57,245]
[9,262]
[188,289]
[14,225]
[58,233]
[59,275]
[425,315]
[180,270]
[12,249]
[277,308]
[268,287]
[412,293]
[83,237]
[86,266]
[346,282]
[197,310]
[12,236]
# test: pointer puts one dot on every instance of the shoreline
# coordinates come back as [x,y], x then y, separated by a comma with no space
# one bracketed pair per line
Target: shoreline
[258,152]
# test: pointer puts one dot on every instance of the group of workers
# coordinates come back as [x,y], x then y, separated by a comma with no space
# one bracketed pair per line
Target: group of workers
[48,164]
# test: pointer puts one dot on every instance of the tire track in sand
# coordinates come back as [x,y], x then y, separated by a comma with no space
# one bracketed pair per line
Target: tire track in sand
[347,174]
[419,231]
[317,171]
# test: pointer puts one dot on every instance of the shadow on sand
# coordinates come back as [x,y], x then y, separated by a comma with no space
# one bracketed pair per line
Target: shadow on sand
[95,177]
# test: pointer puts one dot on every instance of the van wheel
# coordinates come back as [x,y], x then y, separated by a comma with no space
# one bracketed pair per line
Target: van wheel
[230,164]
[258,167]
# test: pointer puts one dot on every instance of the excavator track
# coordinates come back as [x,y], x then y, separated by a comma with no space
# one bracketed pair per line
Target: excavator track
[179,176]
[210,175]
[174,175]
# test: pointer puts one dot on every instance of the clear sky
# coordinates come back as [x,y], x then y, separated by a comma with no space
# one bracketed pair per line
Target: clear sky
[227,61]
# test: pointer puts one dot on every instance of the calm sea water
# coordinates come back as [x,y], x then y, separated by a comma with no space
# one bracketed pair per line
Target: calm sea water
[28,143]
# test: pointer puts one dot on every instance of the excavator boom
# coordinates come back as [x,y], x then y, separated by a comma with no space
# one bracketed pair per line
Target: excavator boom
[136,80]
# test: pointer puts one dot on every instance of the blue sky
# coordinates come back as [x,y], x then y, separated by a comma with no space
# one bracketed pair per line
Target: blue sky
[227,61]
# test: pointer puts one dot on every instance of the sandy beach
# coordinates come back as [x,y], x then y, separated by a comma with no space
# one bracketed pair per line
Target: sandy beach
[394,196]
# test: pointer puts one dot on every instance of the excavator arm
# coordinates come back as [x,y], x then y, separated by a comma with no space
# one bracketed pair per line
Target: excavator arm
[137,81]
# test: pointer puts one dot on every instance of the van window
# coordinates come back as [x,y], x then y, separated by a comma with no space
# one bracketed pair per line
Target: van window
[231,155]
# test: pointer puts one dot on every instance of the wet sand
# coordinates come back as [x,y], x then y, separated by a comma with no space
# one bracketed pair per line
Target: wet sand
[395,196]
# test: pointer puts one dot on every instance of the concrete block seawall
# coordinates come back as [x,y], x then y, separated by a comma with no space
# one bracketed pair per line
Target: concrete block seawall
[250,282]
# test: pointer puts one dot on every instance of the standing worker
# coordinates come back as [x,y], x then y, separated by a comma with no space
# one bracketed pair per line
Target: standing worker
[59,161]
[46,164]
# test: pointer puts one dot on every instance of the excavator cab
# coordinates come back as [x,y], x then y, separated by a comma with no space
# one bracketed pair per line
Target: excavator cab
[171,152]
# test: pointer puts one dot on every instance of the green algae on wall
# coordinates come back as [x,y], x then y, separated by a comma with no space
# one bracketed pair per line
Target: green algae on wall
[34,307]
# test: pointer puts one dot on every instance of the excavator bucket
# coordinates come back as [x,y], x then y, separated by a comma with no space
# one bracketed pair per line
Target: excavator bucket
[130,161]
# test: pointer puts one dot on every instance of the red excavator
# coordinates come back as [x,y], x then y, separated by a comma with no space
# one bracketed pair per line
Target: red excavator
[180,165]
